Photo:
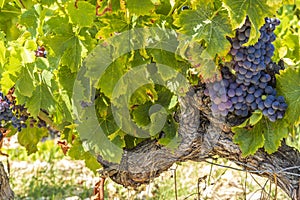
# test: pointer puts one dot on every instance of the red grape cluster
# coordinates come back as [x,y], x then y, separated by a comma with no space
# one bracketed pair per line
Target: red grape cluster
[41,52]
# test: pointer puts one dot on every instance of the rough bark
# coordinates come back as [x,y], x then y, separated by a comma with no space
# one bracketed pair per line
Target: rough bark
[203,136]
[5,190]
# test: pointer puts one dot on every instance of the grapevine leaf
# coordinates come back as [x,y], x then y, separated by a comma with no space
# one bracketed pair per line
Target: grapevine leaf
[164,96]
[12,69]
[69,48]
[83,15]
[273,134]
[30,19]
[288,85]
[73,54]
[143,94]
[77,152]
[112,24]
[30,137]
[205,24]
[2,3]
[141,114]
[66,79]
[42,63]
[249,140]
[170,137]
[48,2]
[164,7]
[64,111]
[91,162]
[94,137]
[255,118]
[118,141]
[292,42]
[54,25]
[140,7]
[158,120]
[41,98]
[2,49]
[25,83]
[169,59]
[256,10]
[278,3]
[208,69]
[111,76]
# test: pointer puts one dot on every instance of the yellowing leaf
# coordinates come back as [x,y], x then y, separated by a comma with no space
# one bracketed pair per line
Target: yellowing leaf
[139,7]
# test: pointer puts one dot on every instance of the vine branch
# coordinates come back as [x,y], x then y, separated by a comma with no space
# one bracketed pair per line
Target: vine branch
[203,137]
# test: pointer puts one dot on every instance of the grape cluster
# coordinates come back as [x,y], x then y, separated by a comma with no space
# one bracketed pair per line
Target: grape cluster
[7,115]
[41,52]
[17,116]
[251,87]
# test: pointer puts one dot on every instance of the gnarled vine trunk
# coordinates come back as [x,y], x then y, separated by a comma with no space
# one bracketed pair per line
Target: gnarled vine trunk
[202,137]
[5,190]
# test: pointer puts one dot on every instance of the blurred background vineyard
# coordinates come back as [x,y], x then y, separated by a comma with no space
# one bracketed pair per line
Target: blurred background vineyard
[48,174]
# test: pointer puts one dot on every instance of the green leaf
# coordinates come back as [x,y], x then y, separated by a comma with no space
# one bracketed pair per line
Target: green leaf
[42,63]
[59,25]
[143,94]
[249,140]
[140,7]
[288,85]
[164,7]
[112,75]
[2,3]
[141,114]
[94,137]
[2,49]
[84,15]
[256,10]
[170,137]
[208,25]
[30,137]
[48,2]
[77,152]
[41,98]
[255,117]
[158,119]
[164,96]
[63,112]
[274,132]
[66,79]
[263,134]
[111,24]
[25,83]
[30,19]
[69,48]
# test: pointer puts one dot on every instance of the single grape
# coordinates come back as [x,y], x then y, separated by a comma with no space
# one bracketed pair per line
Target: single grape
[250,98]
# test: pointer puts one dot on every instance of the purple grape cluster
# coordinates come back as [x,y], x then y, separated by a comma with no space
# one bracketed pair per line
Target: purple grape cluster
[7,115]
[250,88]
[17,116]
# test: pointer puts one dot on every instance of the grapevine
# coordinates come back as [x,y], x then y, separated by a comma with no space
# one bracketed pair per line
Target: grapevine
[99,73]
